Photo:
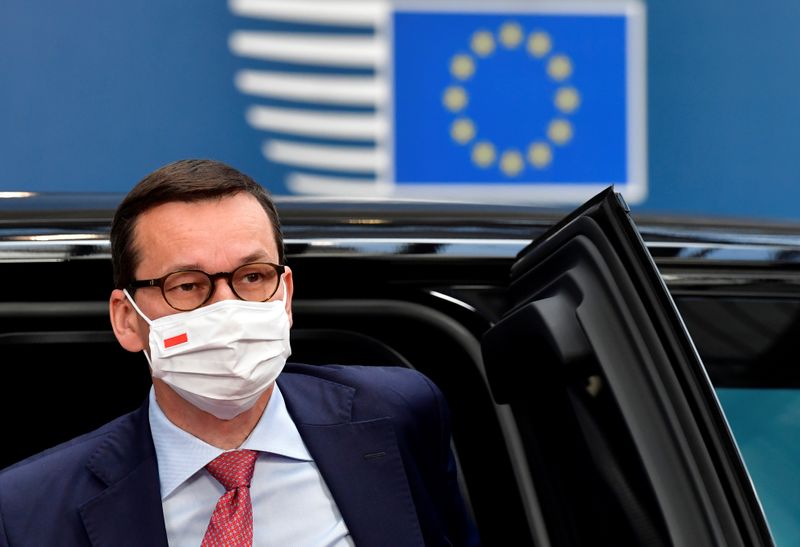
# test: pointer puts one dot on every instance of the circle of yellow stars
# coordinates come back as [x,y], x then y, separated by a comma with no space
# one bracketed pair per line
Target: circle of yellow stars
[538,45]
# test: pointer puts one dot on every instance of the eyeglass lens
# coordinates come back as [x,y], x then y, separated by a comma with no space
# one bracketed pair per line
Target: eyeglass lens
[190,289]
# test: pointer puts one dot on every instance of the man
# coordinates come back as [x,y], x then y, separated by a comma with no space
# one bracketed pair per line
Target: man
[221,453]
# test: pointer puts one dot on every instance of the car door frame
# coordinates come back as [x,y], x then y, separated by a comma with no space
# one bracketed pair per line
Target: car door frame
[586,296]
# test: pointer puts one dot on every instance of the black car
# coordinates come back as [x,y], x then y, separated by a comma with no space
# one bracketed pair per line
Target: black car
[583,412]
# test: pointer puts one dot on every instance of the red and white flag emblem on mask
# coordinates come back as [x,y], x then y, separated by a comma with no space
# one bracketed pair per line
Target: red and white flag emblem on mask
[175,340]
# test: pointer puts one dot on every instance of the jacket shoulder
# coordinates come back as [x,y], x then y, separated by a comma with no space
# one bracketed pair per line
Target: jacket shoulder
[374,390]
[77,449]
[65,467]
[41,497]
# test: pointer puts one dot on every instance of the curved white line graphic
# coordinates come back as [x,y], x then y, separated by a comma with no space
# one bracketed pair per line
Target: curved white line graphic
[317,88]
[352,159]
[304,183]
[311,48]
[313,123]
[364,13]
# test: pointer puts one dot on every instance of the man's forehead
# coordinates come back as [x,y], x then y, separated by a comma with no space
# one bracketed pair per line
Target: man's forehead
[226,209]
[237,223]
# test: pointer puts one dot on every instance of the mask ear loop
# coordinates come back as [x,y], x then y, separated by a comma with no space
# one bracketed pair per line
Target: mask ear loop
[283,282]
[143,316]
[135,307]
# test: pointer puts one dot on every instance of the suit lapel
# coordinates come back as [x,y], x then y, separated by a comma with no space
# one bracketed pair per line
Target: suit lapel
[359,460]
[128,511]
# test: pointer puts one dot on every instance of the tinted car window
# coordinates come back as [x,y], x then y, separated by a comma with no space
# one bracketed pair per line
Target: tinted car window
[750,348]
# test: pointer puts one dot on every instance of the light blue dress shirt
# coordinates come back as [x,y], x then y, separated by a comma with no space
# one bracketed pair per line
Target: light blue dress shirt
[291,502]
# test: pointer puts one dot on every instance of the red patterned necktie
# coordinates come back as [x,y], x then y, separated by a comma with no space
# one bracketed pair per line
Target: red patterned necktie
[232,521]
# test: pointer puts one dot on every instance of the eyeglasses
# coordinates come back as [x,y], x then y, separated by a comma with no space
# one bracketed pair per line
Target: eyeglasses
[187,290]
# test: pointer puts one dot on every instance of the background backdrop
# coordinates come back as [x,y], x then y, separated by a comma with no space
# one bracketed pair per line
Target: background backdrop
[93,95]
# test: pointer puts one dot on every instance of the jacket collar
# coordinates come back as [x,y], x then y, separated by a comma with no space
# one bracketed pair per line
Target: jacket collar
[360,461]
[128,511]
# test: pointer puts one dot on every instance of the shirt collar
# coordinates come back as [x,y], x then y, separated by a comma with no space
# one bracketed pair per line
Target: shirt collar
[180,454]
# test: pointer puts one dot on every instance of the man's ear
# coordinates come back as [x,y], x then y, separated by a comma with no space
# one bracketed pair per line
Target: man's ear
[125,322]
[288,292]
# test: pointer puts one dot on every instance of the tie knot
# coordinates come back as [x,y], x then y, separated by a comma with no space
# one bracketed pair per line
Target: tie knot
[233,469]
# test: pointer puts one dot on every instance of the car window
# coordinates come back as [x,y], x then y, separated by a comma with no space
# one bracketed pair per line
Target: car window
[749,346]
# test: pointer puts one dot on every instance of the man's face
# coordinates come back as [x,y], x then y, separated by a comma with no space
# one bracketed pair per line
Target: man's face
[216,235]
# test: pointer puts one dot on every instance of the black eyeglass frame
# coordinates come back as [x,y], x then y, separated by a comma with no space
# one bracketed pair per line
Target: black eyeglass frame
[227,276]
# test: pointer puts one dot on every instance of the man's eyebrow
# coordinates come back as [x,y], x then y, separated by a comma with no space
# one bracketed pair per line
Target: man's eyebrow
[182,267]
[257,256]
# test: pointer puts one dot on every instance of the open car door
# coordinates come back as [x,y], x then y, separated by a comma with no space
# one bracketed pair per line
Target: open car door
[623,436]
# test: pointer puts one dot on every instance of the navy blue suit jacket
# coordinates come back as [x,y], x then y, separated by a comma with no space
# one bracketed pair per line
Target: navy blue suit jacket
[380,437]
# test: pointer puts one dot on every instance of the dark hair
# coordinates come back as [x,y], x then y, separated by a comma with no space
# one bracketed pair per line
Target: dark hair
[187,181]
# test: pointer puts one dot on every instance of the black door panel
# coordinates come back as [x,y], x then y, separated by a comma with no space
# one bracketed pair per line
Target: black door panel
[625,440]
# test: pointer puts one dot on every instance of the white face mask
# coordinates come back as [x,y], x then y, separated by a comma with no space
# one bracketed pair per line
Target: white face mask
[222,357]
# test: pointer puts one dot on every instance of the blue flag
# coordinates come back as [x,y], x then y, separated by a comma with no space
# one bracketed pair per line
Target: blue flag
[510,98]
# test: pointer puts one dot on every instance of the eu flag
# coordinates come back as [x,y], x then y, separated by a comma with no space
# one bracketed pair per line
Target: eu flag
[511,99]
